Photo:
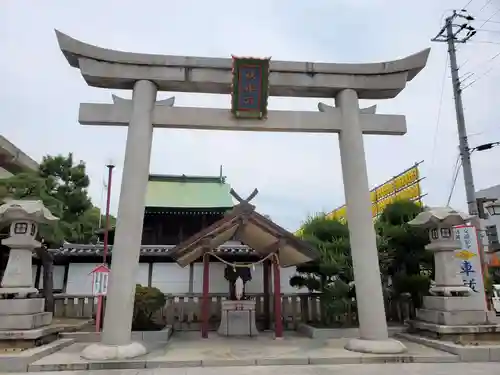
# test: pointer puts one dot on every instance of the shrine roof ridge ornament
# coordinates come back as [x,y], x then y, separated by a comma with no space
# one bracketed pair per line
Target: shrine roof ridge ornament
[108,68]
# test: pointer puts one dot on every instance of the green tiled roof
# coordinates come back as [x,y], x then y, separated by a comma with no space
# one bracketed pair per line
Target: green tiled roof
[188,192]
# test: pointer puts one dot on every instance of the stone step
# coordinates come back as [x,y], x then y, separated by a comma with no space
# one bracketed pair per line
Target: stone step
[21,306]
[455,318]
[25,321]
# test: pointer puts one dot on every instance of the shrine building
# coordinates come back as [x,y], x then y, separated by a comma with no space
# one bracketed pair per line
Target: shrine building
[177,207]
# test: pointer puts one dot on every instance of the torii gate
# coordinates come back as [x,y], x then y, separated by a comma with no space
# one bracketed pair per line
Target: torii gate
[147,74]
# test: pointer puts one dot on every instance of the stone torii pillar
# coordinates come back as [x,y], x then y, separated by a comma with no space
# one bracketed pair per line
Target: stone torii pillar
[145,74]
[374,337]
[116,334]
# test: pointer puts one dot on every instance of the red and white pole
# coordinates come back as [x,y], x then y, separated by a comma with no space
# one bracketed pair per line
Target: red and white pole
[100,309]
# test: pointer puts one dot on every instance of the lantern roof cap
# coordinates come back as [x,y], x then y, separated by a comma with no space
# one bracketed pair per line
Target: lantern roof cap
[435,216]
[35,210]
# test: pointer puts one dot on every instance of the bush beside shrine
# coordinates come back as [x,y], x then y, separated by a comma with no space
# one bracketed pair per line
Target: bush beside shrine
[148,301]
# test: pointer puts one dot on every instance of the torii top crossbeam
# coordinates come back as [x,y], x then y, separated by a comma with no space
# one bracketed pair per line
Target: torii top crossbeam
[108,68]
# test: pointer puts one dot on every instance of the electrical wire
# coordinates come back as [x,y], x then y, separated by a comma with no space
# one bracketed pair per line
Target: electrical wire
[458,166]
[488,21]
[438,119]
[466,5]
[480,28]
[484,74]
[485,5]
[480,42]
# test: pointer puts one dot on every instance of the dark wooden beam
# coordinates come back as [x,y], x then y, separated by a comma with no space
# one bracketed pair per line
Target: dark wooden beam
[241,228]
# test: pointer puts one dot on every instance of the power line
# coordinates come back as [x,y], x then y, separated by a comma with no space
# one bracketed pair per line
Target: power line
[454,177]
[488,21]
[466,5]
[485,5]
[488,31]
[484,22]
[481,42]
[484,74]
[440,106]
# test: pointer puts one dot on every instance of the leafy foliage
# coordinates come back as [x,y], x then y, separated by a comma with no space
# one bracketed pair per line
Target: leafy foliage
[402,253]
[331,274]
[62,185]
[405,265]
[148,300]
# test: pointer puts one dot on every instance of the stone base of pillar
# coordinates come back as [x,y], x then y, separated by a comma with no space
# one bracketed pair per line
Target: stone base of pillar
[18,292]
[103,352]
[389,346]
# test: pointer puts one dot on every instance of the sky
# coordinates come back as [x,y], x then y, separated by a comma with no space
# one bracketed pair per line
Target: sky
[297,174]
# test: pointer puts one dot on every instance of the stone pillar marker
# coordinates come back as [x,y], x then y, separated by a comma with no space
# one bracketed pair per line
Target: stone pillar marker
[22,316]
[450,311]
[116,335]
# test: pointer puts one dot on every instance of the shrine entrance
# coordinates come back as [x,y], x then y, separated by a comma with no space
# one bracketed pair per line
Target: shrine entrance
[250,82]
[275,247]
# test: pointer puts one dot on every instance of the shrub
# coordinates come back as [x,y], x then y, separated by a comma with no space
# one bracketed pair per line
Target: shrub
[148,300]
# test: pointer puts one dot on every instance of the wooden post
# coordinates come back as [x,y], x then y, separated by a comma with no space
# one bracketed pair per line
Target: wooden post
[205,308]
[266,265]
[191,279]
[150,274]
[278,322]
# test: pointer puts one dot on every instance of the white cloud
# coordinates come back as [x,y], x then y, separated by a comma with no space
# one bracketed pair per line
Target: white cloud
[296,174]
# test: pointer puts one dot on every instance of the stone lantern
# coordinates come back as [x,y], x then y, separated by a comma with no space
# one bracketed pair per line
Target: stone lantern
[451,309]
[24,217]
[440,222]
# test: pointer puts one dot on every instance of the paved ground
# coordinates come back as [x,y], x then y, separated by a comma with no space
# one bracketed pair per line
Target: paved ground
[189,350]
[365,369]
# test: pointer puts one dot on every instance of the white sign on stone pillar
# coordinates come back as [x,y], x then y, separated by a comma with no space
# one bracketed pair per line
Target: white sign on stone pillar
[468,262]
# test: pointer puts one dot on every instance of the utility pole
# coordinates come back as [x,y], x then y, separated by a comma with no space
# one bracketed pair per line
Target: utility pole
[451,33]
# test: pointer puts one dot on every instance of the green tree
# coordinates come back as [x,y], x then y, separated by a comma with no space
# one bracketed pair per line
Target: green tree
[62,185]
[331,274]
[68,183]
[32,186]
[402,257]
[402,252]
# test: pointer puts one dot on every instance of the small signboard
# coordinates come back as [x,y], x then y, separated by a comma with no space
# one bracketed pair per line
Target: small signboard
[250,89]
[469,262]
[100,277]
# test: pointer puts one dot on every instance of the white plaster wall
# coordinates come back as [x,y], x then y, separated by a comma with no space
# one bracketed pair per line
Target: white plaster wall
[256,285]
[142,274]
[80,279]
[57,277]
[173,279]
[286,274]
[218,283]
[170,278]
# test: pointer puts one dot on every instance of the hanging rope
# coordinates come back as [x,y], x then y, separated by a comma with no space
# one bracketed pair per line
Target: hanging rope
[244,265]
